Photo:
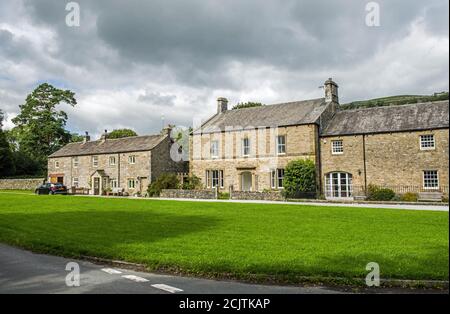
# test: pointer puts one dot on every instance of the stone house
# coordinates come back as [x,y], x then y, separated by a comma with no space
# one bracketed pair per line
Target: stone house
[403,147]
[129,164]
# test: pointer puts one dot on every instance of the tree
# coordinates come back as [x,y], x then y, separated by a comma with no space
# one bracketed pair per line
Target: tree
[249,104]
[300,178]
[75,138]
[119,133]
[40,126]
[6,159]
[164,181]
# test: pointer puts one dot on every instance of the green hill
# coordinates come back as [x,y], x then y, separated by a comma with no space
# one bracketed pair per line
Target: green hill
[395,101]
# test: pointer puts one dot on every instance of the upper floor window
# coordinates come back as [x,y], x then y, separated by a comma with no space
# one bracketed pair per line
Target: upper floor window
[132,159]
[94,161]
[246,147]
[337,147]
[75,162]
[430,179]
[215,149]
[281,144]
[112,160]
[57,164]
[427,142]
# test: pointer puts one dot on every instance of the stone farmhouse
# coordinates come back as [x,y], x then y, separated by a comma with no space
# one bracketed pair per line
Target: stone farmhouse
[126,164]
[402,147]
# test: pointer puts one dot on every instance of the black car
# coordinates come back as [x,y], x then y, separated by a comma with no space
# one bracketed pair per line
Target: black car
[51,188]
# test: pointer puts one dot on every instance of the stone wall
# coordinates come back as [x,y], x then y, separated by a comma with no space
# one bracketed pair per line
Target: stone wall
[263,196]
[196,194]
[20,184]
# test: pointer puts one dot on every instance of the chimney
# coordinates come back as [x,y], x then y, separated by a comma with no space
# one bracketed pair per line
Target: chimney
[167,130]
[331,91]
[222,104]
[104,136]
[87,138]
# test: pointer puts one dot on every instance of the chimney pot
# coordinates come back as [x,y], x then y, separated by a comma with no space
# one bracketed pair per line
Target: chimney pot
[87,138]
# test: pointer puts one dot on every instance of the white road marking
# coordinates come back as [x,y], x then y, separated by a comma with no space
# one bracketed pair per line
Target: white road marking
[111,271]
[135,278]
[167,288]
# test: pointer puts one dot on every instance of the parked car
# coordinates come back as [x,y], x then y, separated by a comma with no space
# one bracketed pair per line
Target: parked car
[51,189]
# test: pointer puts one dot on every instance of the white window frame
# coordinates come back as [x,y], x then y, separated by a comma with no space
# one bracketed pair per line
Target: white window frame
[131,184]
[214,149]
[425,180]
[95,161]
[281,147]
[207,179]
[75,182]
[424,141]
[112,158]
[56,164]
[280,177]
[273,174]
[337,147]
[337,190]
[75,162]
[132,159]
[113,183]
[246,147]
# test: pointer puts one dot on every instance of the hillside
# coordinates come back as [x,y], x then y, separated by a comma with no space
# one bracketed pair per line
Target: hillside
[394,101]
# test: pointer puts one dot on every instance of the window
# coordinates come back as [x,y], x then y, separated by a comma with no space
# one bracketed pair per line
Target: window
[56,164]
[337,147]
[131,183]
[94,161]
[214,178]
[338,184]
[132,159]
[427,142]
[281,144]
[75,162]
[246,147]
[113,183]
[215,149]
[112,160]
[430,179]
[276,178]
[75,182]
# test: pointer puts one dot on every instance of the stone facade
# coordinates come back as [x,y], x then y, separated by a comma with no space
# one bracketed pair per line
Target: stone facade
[195,194]
[262,159]
[393,160]
[20,184]
[262,196]
[133,170]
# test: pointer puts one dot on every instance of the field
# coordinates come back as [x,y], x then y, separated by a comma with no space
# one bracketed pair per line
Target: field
[269,242]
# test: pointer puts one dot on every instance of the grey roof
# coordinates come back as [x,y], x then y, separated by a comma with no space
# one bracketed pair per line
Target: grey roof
[421,116]
[292,113]
[110,146]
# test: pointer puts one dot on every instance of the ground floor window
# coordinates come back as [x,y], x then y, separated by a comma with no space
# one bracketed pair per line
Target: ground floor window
[277,178]
[75,182]
[430,179]
[131,183]
[113,183]
[338,184]
[214,178]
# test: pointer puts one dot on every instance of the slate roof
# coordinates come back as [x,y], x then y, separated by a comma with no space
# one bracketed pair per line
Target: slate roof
[421,116]
[292,113]
[110,146]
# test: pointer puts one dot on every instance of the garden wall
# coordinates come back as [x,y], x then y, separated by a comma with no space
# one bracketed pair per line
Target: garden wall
[197,194]
[20,184]
[263,196]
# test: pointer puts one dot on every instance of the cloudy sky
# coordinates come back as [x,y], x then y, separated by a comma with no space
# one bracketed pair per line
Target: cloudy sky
[132,62]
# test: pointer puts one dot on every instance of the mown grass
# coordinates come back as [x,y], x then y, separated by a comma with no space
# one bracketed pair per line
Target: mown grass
[229,239]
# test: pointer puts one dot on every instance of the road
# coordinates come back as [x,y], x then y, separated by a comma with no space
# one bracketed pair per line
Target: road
[26,272]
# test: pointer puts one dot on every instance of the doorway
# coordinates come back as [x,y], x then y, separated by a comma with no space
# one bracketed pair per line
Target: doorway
[97,186]
[246,181]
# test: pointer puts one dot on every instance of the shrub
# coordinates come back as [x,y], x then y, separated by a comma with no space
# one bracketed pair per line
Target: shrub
[164,181]
[223,196]
[300,179]
[192,183]
[409,197]
[375,193]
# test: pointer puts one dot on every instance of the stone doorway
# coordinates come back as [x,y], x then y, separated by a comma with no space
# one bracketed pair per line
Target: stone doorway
[246,181]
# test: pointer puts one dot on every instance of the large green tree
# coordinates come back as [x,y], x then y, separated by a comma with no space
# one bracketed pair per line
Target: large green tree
[40,125]
[248,104]
[119,133]
[6,158]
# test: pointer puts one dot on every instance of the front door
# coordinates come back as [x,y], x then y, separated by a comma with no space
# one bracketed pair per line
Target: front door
[246,181]
[96,186]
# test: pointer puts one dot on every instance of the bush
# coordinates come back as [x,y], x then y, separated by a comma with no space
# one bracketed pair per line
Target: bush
[223,196]
[409,197]
[375,193]
[300,179]
[164,181]
[192,183]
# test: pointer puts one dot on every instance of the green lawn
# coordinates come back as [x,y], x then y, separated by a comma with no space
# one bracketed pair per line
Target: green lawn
[281,242]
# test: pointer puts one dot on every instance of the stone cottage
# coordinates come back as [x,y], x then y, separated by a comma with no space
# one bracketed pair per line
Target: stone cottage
[402,147]
[129,164]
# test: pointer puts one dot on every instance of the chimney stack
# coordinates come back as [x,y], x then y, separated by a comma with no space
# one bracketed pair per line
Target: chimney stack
[87,138]
[104,136]
[331,91]
[167,130]
[222,104]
